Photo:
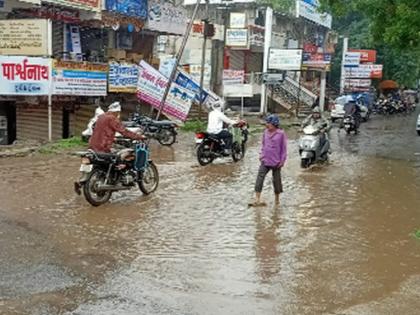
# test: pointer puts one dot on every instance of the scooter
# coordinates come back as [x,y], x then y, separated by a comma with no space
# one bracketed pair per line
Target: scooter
[314,146]
[350,124]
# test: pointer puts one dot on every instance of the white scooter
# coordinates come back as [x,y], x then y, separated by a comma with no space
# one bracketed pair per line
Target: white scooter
[311,150]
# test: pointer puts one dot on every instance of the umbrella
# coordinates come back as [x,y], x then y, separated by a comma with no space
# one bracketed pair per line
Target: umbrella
[388,85]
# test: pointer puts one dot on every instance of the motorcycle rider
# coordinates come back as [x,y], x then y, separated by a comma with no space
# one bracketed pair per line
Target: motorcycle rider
[107,125]
[215,124]
[351,108]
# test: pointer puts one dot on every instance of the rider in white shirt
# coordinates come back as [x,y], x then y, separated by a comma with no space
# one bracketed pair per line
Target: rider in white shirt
[215,124]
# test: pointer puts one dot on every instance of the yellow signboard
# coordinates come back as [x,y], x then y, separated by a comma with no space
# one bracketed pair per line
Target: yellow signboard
[24,37]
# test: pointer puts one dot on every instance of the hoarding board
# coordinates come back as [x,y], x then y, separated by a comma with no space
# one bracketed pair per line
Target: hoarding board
[285,59]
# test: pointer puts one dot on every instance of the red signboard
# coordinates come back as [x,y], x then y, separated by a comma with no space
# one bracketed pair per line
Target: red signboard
[366,56]
[310,48]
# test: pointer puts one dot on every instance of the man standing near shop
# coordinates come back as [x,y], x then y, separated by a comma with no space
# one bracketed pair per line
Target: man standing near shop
[273,156]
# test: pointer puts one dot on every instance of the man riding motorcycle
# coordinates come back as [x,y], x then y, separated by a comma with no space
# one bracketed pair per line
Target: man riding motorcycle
[107,125]
[351,108]
[215,125]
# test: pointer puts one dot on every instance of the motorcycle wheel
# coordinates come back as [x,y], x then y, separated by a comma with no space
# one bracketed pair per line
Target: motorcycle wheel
[150,179]
[204,155]
[96,198]
[305,163]
[237,152]
[348,131]
[166,137]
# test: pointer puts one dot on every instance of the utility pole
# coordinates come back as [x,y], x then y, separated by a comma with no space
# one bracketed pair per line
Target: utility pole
[343,73]
[177,59]
[267,45]
[203,58]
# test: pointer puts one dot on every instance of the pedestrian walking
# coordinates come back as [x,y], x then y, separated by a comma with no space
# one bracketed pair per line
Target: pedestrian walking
[272,157]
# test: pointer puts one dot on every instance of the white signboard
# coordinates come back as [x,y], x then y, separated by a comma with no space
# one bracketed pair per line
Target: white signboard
[358,83]
[24,75]
[233,77]
[352,59]
[285,59]
[238,90]
[364,71]
[237,37]
[237,20]
[310,12]
[165,17]
[195,73]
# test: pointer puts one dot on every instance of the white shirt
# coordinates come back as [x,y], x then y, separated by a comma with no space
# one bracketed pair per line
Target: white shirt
[216,120]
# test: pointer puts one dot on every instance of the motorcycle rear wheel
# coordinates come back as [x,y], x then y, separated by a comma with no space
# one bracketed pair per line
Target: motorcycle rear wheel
[150,179]
[166,137]
[96,198]
[204,155]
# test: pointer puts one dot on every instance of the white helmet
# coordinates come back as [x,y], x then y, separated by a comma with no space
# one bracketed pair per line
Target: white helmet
[114,107]
[218,105]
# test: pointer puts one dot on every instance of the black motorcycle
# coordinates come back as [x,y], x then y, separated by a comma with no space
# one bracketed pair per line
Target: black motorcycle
[211,147]
[164,131]
[350,124]
[105,173]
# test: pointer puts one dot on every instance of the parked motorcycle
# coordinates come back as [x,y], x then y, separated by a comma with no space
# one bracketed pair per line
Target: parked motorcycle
[350,124]
[105,173]
[164,131]
[210,147]
[313,146]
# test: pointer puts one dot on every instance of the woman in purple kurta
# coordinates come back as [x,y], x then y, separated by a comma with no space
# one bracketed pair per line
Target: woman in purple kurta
[273,156]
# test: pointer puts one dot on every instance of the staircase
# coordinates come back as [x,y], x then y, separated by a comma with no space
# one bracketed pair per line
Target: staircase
[292,97]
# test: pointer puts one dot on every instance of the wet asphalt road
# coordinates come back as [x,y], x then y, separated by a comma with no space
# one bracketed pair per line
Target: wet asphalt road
[340,243]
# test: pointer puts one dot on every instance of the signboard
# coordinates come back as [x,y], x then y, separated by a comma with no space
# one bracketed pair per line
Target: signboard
[357,84]
[165,17]
[195,72]
[237,20]
[123,77]
[237,37]
[24,37]
[238,90]
[256,37]
[90,5]
[364,71]
[273,78]
[76,78]
[351,59]
[151,87]
[366,56]
[135,8]
[285,59]
[53,13]
[310,11]
[24,75]
[233,77]
[316,60]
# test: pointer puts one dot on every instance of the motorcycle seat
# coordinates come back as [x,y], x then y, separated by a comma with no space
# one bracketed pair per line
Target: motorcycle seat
[105,156]
[161,122]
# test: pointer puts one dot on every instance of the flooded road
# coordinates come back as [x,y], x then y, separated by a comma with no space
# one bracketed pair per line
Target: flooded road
[342,241]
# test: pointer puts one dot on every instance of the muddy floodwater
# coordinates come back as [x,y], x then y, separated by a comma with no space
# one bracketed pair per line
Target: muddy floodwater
[342,241]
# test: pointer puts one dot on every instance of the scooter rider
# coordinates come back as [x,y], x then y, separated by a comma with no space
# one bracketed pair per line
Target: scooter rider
[107,125]
[316,120]
[215,124]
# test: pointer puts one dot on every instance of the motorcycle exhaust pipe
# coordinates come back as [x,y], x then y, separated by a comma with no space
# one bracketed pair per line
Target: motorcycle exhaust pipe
[112,188]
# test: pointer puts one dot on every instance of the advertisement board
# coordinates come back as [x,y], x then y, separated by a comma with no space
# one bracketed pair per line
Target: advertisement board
[134,8]
[123,77]
[237,37]
[316,60]
[233,77]
[364,71]
[165,17]
[238,90]
[285,59]
[77,78]
[237,20]
[357,84]
[90,5]
[151,87]
[366,55]
[24,37]
[351,59]
[24,75]
[310,11]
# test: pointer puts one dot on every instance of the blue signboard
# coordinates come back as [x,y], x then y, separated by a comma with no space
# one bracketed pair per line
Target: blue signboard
[135,8]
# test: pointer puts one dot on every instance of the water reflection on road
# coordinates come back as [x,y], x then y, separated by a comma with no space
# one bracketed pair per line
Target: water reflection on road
[341,242]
